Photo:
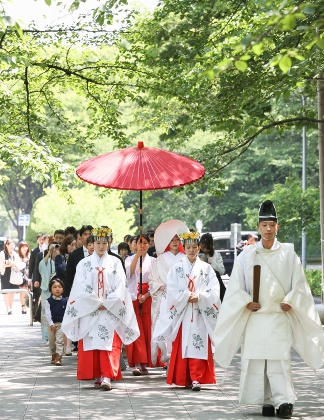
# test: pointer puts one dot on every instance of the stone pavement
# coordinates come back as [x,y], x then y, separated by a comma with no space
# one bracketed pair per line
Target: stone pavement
[32,388]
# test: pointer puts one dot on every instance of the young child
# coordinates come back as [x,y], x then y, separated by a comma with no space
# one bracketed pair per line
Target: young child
[54,311]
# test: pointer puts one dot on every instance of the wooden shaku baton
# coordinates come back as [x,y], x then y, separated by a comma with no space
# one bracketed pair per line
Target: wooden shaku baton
[256,282]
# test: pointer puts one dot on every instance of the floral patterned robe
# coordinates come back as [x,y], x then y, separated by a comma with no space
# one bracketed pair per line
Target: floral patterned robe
[198,319]
[100,281]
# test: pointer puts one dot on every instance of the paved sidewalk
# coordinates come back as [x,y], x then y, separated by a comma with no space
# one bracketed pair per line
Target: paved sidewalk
[32,388]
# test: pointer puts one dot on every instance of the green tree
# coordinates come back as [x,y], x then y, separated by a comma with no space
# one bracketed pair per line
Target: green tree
[52,212]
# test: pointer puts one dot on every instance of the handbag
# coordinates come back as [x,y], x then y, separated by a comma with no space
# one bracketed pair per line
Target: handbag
[16,277]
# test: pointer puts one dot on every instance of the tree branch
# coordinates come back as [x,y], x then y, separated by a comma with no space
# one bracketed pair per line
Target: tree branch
[245,145]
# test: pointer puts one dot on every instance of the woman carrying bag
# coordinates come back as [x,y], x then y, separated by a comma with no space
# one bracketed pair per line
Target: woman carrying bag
[11,276]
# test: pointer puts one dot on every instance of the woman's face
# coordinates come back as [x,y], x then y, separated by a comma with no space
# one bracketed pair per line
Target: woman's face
[71,247]
[10,247]
[175,244]
[101,247]
[205,248]
[133,246]
[24,249]
[142,245]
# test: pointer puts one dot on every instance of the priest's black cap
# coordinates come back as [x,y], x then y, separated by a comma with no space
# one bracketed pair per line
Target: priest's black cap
[267,212]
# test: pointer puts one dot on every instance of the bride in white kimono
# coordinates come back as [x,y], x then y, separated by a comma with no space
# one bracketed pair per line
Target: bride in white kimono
[170,251]
[100,313]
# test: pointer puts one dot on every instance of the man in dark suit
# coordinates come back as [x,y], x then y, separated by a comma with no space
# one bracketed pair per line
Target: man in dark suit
[75,257]
[33,271]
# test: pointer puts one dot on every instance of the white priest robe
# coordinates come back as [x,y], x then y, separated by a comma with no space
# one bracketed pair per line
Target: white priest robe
[100,281]
[269,333]
[158,277]
[198,319]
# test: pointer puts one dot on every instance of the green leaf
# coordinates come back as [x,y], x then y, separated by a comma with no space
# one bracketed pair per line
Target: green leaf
[285,64]
[245,57]
[288,22]
[210,74]
[320,43]
[241,65]
[258,48]
[48,2]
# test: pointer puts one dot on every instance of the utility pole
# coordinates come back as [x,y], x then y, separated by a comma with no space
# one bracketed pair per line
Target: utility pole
[320,96]
[303,260]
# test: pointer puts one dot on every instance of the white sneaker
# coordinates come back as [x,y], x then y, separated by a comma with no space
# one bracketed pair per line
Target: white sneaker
[106,385]
[195,386]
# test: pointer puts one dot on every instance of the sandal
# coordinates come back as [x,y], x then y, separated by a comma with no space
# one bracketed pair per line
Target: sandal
[23,311]
[144,370]
[137,372]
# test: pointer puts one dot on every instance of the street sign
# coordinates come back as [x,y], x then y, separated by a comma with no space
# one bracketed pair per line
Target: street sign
[23,219]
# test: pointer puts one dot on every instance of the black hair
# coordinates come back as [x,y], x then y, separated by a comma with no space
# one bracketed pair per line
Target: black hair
[207,240]
[84,228]
[53,281]
[59,231]
[146,237]
[90,239]
[70,230]
[123,245]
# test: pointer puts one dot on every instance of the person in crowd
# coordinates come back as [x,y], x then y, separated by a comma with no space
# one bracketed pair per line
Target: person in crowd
[139,352]
[188,317]
[47,272]
[33,271]
[123,250]
[151,251]
[90,244]
[110,240]
[133,245]
[169,251]
[127,238]
[24,255]
[10,263]
[100,313]
[78,239]
[69,230]
[67,246]
[252,239]
[54,310]
[59,236]
[45,243]
[214,258]
[75,257]
[268,308]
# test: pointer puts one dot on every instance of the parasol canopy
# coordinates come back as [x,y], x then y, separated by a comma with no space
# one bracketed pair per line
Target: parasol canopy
[140,168]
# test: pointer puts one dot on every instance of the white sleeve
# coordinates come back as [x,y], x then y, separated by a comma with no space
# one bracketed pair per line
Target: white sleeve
[48,314]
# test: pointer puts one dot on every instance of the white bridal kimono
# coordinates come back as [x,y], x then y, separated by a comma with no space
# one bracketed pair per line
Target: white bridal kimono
[268,334]
[198,319]
[158,278]
[100,281]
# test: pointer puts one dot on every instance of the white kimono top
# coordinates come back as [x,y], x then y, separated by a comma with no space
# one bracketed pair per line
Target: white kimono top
[134,280]
[100,281]
[269,332]
[198,319]
[158,277]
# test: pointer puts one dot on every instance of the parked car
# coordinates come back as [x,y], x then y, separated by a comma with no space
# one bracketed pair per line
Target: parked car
[222,244]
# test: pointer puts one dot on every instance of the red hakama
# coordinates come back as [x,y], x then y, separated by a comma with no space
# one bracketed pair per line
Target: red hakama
[96,363]
[183,372]
[140,350]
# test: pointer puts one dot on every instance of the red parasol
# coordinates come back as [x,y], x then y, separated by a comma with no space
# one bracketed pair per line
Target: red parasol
[140,168]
